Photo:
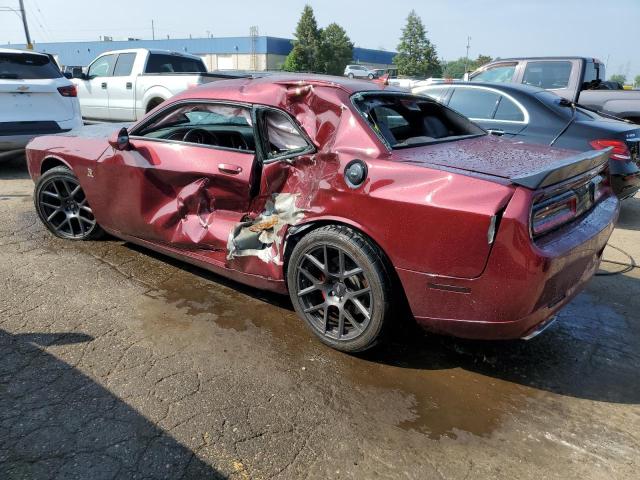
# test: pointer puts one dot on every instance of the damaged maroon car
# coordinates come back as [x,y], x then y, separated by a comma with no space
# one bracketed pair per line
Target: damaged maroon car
[350,196]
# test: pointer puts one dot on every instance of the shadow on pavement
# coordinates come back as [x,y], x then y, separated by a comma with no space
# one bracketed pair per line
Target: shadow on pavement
[58,423]
[14,169]
[630,214]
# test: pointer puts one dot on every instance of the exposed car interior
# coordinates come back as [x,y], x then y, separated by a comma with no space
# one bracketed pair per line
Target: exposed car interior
[206,124]
[409,121]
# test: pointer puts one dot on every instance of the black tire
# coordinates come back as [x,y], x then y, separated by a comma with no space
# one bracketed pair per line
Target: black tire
[321,293]
[350,75]
[370,76]
[62,206]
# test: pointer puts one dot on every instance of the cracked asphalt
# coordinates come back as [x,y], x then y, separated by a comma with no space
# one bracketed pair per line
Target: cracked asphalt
[116,362]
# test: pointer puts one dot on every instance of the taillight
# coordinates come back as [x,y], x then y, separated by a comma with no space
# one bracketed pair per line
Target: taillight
[68,91]
[553,213]
[620,150]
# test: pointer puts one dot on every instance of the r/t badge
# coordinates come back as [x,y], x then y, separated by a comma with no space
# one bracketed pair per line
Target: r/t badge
[90,172]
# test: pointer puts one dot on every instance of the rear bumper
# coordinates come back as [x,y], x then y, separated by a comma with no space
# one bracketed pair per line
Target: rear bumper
[523,285]
[13,142]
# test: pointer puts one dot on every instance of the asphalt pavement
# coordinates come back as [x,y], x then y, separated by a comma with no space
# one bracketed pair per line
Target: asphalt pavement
[117,362]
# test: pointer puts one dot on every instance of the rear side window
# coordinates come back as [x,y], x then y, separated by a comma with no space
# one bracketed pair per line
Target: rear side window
[124,64]
[283,137]
[547,75]
[437,93]
[499,73]
[161,63]
[508,111]
[102,67]
[474,102]
[27,66]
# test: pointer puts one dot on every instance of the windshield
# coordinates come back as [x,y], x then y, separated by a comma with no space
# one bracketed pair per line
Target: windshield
[27,66]
[408,121]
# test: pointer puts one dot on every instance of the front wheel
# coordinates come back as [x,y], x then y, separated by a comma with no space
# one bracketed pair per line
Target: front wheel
[350,75]
[339,285]
[370,76]
[62,206]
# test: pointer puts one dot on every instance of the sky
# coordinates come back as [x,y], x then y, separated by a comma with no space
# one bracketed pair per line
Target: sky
[607,30]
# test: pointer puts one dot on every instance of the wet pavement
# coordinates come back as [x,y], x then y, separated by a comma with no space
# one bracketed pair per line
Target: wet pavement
[117,362]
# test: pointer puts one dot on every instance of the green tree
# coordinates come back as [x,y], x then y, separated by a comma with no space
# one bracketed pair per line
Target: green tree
[417,56]
[336,50]
[456,68]
[636,81]
[618,77]
[306,46]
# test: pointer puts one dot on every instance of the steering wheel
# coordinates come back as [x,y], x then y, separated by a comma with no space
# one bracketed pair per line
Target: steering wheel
[200,135]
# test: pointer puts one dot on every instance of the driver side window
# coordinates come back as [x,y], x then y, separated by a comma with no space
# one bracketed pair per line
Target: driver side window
[207,124]
[102,67]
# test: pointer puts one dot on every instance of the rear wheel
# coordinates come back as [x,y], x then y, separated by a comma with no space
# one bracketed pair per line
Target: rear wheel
[62,206]
[338,284]
[350,75]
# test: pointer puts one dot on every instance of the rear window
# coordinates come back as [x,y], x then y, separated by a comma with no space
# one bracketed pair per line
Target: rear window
[408,121]
[161,63]
[26,66]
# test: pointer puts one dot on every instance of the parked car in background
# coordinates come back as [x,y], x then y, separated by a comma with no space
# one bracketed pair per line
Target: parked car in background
[123,85]
[35,99]
[578,79]
[391,72]
[535,115]
[360,71]
[349,195]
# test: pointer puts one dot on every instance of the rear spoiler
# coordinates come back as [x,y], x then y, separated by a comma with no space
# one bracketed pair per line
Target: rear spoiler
[567,168]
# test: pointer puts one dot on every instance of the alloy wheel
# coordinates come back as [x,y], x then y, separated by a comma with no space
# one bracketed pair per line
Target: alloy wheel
[334,292]
[64,207]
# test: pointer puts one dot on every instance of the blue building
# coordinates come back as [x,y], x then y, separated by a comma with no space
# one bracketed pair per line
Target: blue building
[219,53]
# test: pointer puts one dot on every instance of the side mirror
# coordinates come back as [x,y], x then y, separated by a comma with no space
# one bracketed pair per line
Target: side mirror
[120,139]
[68,75]
[76,72]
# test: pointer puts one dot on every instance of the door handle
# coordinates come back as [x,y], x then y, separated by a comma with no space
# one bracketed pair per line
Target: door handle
[493,131]
[104,85]
[230,169]
[129,85]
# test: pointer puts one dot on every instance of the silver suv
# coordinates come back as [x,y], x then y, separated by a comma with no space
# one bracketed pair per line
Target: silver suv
[359,71]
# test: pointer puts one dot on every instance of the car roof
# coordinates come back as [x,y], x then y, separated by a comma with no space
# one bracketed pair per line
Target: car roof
[150,50]
[14,50]
[251,89]
[508,87]
[520,59]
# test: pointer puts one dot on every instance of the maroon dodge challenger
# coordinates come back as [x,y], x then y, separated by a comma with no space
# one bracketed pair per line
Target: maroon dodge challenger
[353,197]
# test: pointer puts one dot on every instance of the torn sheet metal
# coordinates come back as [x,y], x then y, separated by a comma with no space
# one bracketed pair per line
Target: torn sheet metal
[263,236]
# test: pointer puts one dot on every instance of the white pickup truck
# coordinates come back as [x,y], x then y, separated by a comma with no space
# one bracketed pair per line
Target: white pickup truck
[123,85]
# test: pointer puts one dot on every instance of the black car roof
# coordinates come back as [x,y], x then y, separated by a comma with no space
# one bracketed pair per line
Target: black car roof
[503,86]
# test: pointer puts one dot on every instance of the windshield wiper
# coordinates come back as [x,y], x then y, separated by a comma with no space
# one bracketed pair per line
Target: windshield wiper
[10,76]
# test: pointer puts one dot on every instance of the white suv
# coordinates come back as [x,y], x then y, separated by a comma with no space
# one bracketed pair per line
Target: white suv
[359,71]
[35,99]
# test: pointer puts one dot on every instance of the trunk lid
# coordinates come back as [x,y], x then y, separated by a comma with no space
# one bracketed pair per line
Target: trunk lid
[523,164]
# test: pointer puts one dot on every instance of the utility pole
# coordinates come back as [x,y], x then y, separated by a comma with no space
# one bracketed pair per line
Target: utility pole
[466,58]
[26,27]
[153,31]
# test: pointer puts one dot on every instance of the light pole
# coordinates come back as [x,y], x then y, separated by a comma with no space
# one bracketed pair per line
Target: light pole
[21,13]
[466,58]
